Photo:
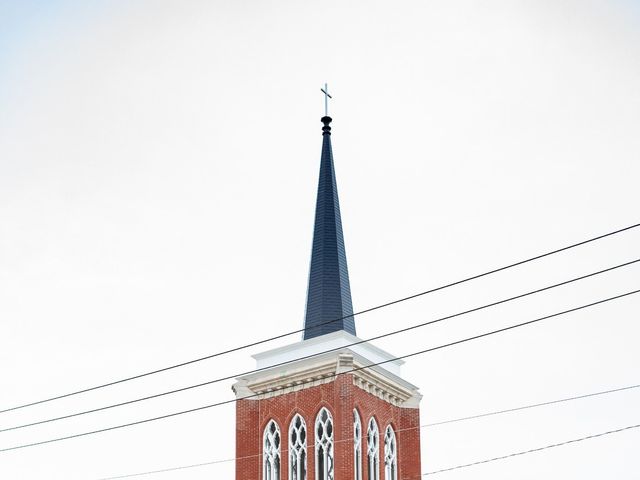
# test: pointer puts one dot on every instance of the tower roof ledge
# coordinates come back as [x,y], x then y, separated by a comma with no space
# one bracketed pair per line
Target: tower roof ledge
[329,342]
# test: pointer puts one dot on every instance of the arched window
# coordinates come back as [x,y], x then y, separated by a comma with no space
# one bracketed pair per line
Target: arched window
[357,446]
[390,455]
[373,450]
[297,449]
[271,452]
[324,445]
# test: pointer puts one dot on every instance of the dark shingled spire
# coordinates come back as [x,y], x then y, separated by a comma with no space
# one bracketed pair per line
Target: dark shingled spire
[329,294]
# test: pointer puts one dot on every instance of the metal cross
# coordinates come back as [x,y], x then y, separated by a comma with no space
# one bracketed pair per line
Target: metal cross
[325,90]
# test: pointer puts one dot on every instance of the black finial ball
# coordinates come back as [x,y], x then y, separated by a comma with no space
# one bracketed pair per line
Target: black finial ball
[326,129]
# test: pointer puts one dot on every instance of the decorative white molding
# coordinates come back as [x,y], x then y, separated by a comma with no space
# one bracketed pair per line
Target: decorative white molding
[323,369]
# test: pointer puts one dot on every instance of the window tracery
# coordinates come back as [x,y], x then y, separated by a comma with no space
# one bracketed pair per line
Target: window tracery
[297,449]
[390,455]
[324,445]
[271,452]
[373,450]
[357,446]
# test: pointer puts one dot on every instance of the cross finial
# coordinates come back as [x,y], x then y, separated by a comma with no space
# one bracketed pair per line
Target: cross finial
[325,90]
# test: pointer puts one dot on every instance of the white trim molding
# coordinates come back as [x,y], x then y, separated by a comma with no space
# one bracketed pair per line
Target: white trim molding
[322,368]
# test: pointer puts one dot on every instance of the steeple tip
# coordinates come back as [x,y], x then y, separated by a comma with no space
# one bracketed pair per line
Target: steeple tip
[326,129]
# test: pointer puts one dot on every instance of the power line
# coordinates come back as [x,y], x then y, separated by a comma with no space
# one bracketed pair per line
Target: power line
[533,450]
[388,334]
[336,374]
[534,405]
[283,335]
[181,467]
[428,425]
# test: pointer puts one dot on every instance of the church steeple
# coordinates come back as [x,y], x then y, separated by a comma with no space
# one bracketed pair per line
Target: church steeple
[329,293]
[330,407]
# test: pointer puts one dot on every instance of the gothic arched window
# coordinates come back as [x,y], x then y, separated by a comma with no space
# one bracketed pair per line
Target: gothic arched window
[390,455]
[373,450]
[357,446]
[271,452]
[324,445]
[297,449]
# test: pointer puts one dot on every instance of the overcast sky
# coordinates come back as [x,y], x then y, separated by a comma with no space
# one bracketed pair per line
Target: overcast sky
[158,172]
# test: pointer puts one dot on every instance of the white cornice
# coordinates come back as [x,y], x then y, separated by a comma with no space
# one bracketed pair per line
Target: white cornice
[323,368]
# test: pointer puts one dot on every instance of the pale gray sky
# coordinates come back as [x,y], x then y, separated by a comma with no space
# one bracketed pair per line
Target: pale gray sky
[158,167]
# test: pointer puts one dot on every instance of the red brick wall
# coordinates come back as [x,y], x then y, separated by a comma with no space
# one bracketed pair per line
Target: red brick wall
[340,397]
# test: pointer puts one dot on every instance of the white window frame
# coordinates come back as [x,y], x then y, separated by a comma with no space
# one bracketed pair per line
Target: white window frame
[323,433]
[297,448]
[357,446]
[271,440]
[373,450]
[390,454]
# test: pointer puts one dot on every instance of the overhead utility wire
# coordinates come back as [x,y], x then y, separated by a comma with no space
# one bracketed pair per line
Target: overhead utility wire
[428,425]
[313,355]
[182,467]
[533,450]
[533,405]
[336,374]
[283,335]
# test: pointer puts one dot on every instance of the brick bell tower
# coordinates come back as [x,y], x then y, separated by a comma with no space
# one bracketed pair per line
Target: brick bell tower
[316,409]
